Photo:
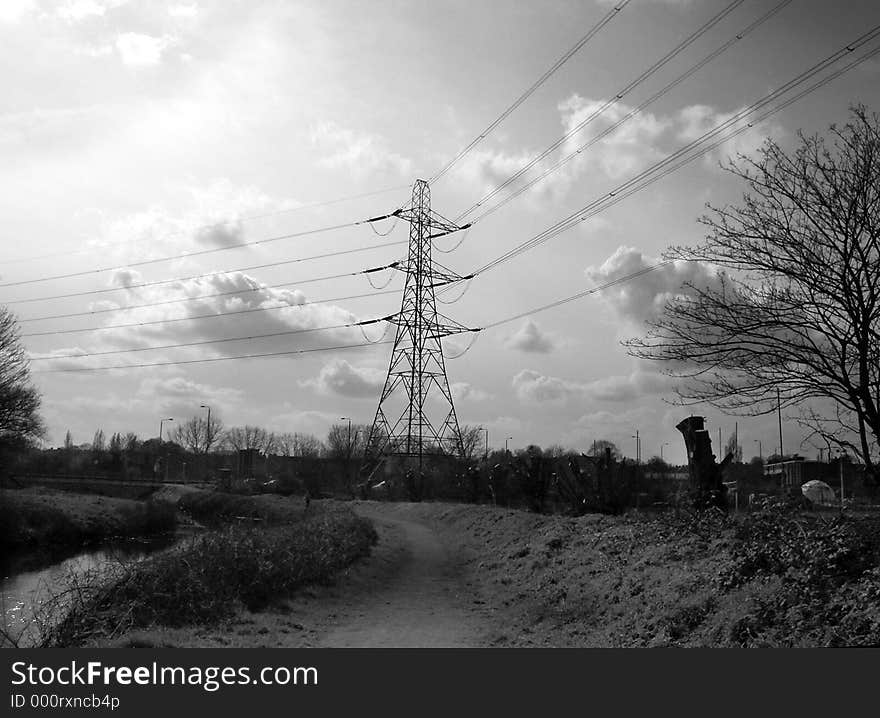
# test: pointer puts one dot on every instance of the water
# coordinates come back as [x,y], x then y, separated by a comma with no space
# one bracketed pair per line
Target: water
[33,582]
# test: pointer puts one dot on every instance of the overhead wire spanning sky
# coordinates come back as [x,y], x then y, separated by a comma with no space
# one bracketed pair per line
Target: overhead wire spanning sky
[224,136]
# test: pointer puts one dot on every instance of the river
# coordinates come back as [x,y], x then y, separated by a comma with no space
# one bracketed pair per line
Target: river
[31,581]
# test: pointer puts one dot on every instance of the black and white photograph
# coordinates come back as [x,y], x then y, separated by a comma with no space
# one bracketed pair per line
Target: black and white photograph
[485,324]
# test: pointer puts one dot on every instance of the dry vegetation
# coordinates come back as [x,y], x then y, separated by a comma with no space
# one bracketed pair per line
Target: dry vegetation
[246,565]
[776,577]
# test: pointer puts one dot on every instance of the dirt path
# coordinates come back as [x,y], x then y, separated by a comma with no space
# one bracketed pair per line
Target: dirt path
[410,593]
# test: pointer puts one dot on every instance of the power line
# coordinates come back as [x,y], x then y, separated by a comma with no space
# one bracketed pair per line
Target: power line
[212,225]
[619,95]
[141,285]
[212,315]
[595,206]
[208,360]
[623,120]
[580,295]
[525,95]
[201,252]
[205,342]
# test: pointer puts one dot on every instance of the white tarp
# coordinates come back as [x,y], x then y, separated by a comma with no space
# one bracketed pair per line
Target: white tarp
[819,493]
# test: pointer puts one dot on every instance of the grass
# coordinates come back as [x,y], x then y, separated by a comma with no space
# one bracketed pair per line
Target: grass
[41,517]
[215,508]
[214,576]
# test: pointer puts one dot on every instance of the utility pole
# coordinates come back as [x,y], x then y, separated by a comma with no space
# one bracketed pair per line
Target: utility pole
[207,428]
[406,423]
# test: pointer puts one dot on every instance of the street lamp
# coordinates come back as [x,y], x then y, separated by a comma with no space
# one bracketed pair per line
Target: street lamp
[160,444]
[207,427]
[760,449]
[505,444]
[661,449]
[344,418]
[160,427]
[638,447]
[486,455]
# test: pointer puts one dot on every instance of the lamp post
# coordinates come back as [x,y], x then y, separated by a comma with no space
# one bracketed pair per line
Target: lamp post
[760,450]
[506,451]
[160,444]
[160,427]
[348,454]
[344,418]
[661,449]
[486,455]
[207,428]
[638,447]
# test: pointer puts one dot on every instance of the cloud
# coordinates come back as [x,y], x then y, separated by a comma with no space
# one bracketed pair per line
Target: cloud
[531,339]
[11,11]
[244,308]
[78,10]
[183,10]
[463,391]
[631,147]
[696,120]
[340,377]
[361,153]
[533,387]
[628,387]
[139,50]
[643,298]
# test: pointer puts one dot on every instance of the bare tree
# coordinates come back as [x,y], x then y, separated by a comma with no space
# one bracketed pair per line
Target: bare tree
[796,307]
[473,441]
[19,400]
[340,446]
[239,438]
[198,434]
[297,444]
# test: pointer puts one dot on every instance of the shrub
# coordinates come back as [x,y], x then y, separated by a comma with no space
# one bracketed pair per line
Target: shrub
[210,578]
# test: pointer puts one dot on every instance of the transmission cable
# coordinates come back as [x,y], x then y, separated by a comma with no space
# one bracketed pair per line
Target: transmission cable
[620,94]
[632,113]
[204,342]
[206,360]
[211,225]
[573,218]
[200,252]
[212,315]
[525,95]
[206,275]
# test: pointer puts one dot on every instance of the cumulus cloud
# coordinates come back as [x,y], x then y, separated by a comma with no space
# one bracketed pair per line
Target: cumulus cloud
[643,298]
[696,120]
[339,377]
[138,50]
[78,10]
[11,11]
[183,10]
[533,387]
[463,391]
[628,387]
[361,153]
[228,305]
[530,338]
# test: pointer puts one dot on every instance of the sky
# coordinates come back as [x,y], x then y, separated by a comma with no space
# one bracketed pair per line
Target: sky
[133,131]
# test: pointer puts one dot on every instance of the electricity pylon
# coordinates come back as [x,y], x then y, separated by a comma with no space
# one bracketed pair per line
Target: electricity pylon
[416,414]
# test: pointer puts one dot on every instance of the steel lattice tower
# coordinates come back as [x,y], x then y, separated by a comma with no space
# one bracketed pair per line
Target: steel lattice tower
[416,414]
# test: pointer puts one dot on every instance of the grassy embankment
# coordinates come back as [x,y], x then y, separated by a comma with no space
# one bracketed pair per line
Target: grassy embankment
[774,577]
[54,519]
[262,550]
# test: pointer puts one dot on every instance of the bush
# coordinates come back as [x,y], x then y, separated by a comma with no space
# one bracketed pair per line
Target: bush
[213,576]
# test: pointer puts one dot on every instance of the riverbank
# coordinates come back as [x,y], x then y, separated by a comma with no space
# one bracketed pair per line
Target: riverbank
[40,517]
[245,566]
